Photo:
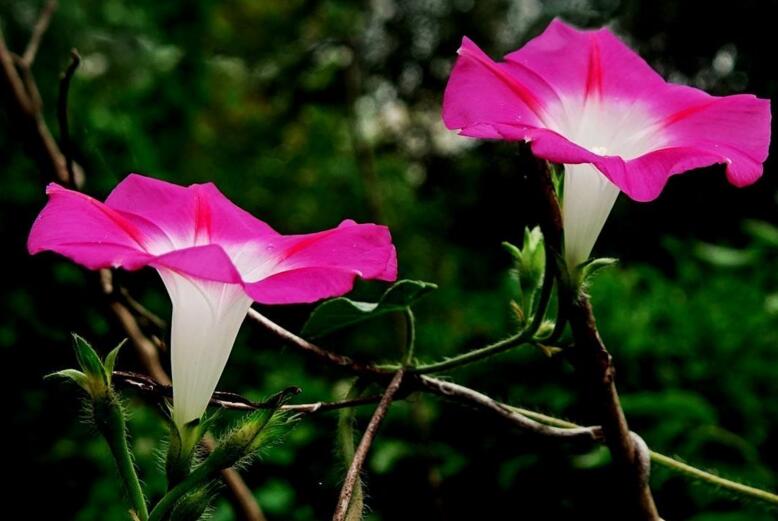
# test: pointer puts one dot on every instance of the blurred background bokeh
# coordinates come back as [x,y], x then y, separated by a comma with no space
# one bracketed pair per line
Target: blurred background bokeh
[306,113]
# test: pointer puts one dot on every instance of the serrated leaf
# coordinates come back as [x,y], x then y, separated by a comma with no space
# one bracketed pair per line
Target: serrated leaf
[73,375]
[341,312]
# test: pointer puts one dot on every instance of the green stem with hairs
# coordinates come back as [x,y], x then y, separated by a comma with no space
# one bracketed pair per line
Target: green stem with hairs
[525,336]
[500,346]
[109,419]
[713,479]
[197,477]
[410,336]
[672,464]
[345,434]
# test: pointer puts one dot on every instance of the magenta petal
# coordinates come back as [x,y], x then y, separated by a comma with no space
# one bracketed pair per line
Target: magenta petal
[209,262]
[481,91]
[230,223]
[585,97]
[319,265]
[187,216]
[364,249]
[735,128]
[87,232]
[587,64]
[199,233]
[302,285]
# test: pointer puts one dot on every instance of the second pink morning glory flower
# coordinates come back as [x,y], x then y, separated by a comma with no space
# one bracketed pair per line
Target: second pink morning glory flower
[584,99]
[214,258]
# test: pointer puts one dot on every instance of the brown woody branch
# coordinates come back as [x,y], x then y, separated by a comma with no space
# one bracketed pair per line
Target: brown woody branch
[454,392]
[20,94]
[469,397]
[65,142]
[227,400]
[592,360]
[319,352]
[364,446]
[37,33]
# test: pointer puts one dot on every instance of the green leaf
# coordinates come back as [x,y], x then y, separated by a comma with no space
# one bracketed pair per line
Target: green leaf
[593,266]
[71,374]
[88,359]
[192,506]
[341,312]
[528,270]
[762,231]
[724,256]
[110,359]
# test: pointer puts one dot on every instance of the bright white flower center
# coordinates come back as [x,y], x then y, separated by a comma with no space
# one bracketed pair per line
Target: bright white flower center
[253,260]
[604,127]
[206,318]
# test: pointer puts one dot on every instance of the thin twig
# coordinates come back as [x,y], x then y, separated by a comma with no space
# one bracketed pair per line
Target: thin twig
[301,343]
[455,392]
[523,414]
[38,31]
[364,446]
[144,347]
[475,355]
[233,401]
[142,311]
[35,133]
[673,464]
[62,114]
[466,396]
[12,81]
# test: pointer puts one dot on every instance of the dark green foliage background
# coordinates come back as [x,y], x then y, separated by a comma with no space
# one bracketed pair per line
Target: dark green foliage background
[267,99]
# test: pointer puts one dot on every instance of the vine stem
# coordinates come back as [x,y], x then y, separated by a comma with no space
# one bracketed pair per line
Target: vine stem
[590,357]
[121,453]
[410,336]
[467,398]
[522,337]
[713,479]
[474,355]
[352,476]
[109,419]
[669,462]
[198,476]
[345,433]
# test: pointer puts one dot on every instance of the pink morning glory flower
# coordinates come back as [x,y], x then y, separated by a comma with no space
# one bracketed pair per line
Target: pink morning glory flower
[584,99]
[214,259]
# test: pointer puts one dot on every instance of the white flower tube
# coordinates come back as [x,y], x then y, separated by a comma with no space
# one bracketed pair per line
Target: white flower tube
[206,318]
[588,199]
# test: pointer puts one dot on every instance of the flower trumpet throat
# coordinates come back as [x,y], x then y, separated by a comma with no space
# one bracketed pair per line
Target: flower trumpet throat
[586,100]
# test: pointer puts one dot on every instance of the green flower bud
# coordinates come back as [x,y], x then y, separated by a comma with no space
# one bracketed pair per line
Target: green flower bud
[529,268]
[245,438]
[95,375]
[192,506]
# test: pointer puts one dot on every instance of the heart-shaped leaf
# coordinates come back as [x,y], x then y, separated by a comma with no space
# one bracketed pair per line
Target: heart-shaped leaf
[341,312]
